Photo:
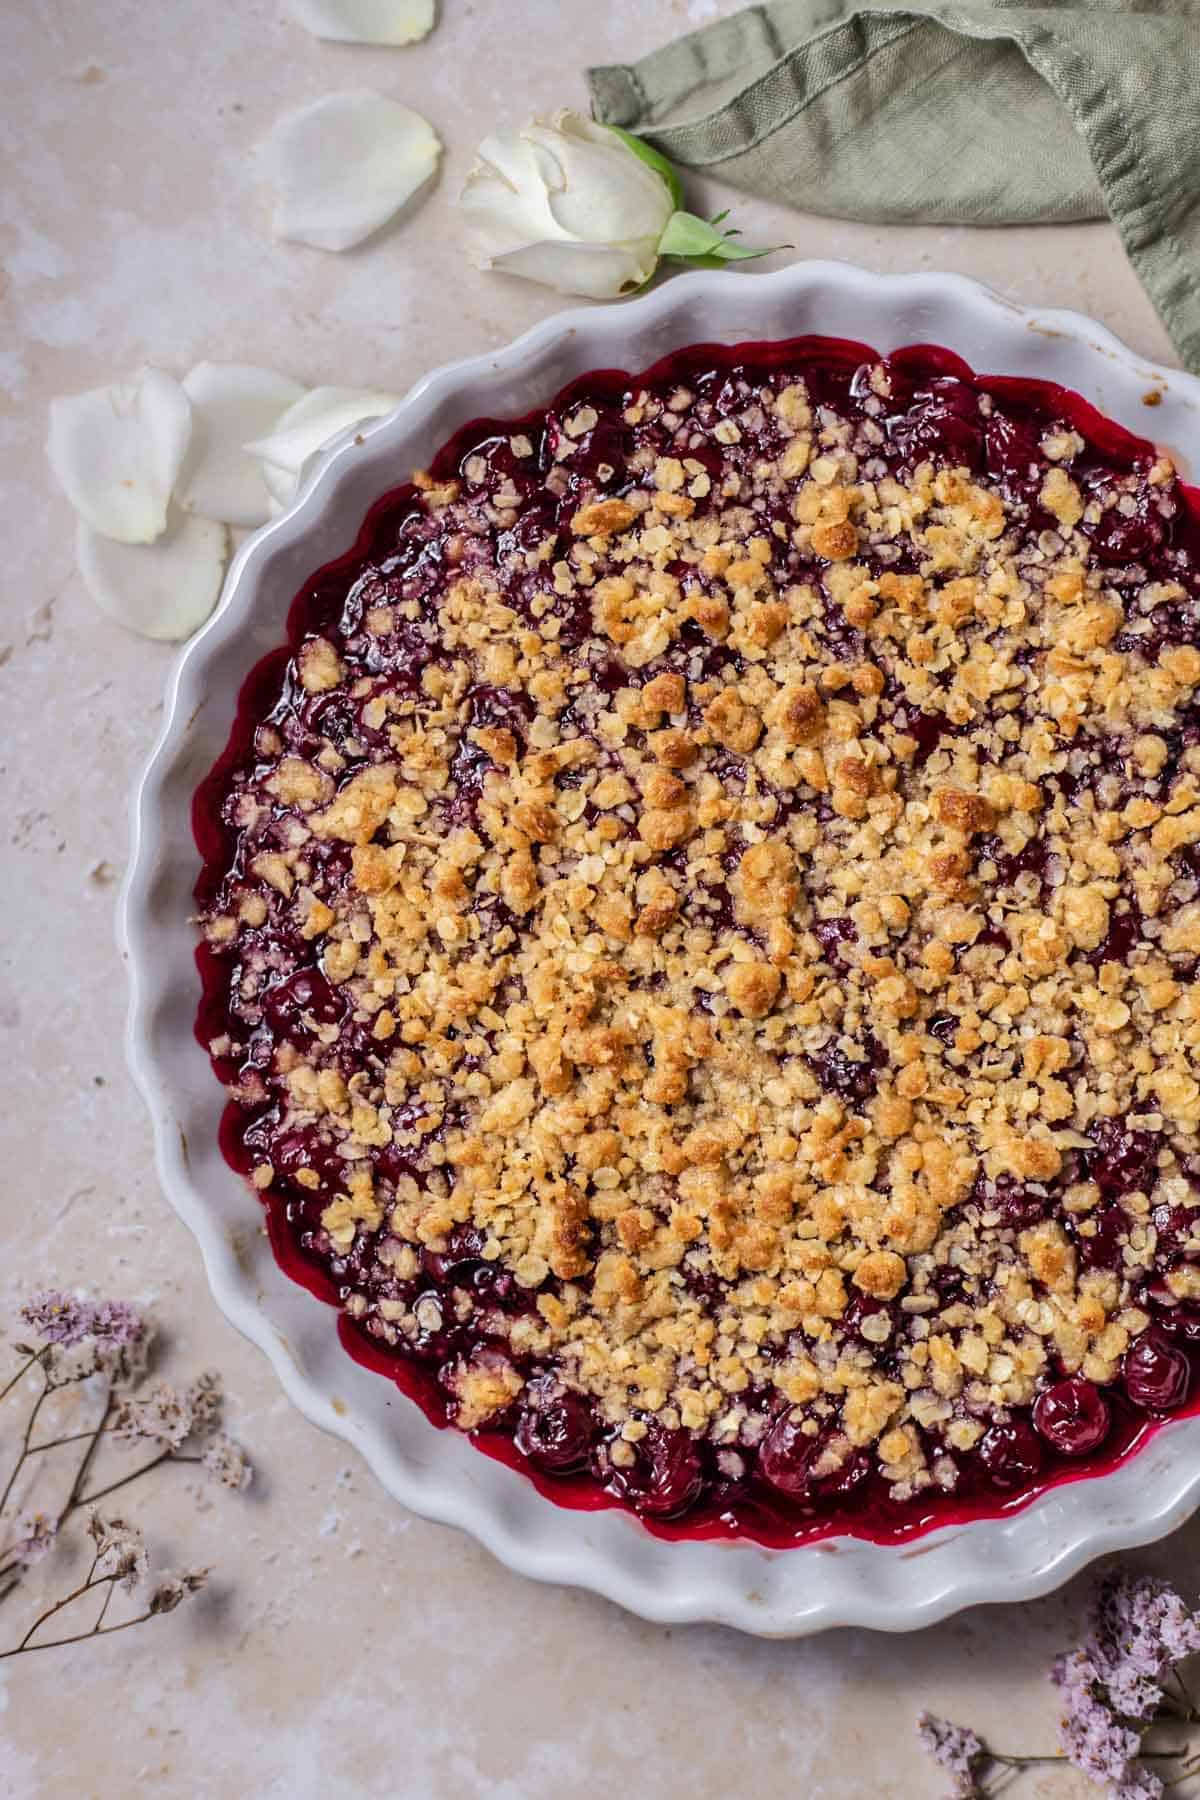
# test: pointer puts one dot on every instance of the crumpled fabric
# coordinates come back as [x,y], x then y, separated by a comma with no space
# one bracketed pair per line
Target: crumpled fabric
[976,114]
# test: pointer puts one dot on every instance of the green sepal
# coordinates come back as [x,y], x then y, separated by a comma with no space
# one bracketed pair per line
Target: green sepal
[698,241]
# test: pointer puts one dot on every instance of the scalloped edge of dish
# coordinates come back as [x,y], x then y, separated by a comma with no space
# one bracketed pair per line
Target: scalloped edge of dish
[438,1473]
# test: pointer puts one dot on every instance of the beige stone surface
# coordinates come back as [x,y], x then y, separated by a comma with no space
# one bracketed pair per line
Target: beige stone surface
[347,1648]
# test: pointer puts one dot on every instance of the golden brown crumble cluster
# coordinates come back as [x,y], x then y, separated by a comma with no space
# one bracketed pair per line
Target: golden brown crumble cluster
[733,1004]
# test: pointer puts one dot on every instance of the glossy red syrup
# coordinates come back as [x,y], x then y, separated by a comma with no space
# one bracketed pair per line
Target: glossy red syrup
[1075,1430]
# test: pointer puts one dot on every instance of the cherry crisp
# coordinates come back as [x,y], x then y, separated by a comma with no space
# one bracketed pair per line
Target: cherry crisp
[699,932]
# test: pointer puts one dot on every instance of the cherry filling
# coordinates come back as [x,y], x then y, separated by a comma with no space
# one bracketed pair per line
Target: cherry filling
[555,1431]
[662,1475]
[810,1468]
[1011,1455]
[1073,1416]
[1157,1374]
[778,1472]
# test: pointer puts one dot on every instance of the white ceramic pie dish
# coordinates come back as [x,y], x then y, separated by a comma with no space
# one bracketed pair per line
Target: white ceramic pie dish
[438,1473]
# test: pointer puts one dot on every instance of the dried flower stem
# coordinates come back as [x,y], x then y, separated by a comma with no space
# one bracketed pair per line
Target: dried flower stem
[58,1606]
[1060,1756]
[79,1637]
[107,1599]
[107,1339]
[30,1422]
[77,1437]
[20,1374]
[73,1437]
[99,1629]
[1191,1767]
[85,1462]
[167,1456]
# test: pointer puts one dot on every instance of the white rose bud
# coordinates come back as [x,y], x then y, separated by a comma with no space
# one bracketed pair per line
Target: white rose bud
[567,202]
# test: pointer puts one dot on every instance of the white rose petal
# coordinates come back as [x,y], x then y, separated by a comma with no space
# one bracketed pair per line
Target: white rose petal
[161,590]
[344,165]
[281,485]
[566,202]
[231,402]
[116,452]
[309,425]
[365,21]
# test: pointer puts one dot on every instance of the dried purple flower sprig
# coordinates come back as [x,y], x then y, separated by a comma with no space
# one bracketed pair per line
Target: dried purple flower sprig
[1117,1686]
[106,1343]
[119,1561]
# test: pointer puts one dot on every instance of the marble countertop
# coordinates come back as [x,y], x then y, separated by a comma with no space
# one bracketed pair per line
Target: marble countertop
[346,1647]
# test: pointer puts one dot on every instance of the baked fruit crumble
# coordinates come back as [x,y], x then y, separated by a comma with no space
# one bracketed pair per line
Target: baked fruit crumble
[699,929]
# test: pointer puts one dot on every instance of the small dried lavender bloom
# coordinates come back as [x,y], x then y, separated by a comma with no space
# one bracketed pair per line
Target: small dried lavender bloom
[171,1590]
[1103,1746]
[88,1336]
[1139,1784]
[121,1550]
[204,1398]
[956,1749]
[66,1364]
[164,1415]
[1138,1627]
[123,1337]
[59,1318]
[37,1535]
[118,1322]
[227,1462]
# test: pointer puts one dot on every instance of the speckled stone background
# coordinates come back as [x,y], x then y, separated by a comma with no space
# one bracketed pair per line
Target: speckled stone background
[346,1647]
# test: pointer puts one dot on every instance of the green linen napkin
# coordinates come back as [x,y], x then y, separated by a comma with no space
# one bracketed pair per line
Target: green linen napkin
[976,113]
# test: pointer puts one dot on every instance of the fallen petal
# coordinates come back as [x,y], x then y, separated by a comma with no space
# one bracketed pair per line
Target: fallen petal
[231,402]
[342,166]
[365,21]
[306,427]
[116,452]
[161,590]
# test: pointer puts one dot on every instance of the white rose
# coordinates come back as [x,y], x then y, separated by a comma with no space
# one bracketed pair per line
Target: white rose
[567,202]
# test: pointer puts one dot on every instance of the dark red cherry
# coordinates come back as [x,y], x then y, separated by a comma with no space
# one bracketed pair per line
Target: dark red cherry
[789,1460]
[1011,1455]
[1156,1372]
[1073,1416]
[1123,1160]
[511,707]
[786,1455]
[301,1148]
[1013,450]
[927,728]
[1124,931]
[851,1079]
[1180,1322]
[665,1477]
[436,1336]
[831,934]
[1019,1206]
[1103,1247]
[1124,538]
[1178,1229]
[464,1248]
[307,991]
[555,1432]
[943,424]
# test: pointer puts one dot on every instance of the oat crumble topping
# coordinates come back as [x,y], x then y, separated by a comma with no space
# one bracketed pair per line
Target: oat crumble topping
[705,934]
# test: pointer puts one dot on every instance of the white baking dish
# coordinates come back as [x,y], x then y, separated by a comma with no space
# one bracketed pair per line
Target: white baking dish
[438,1473]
